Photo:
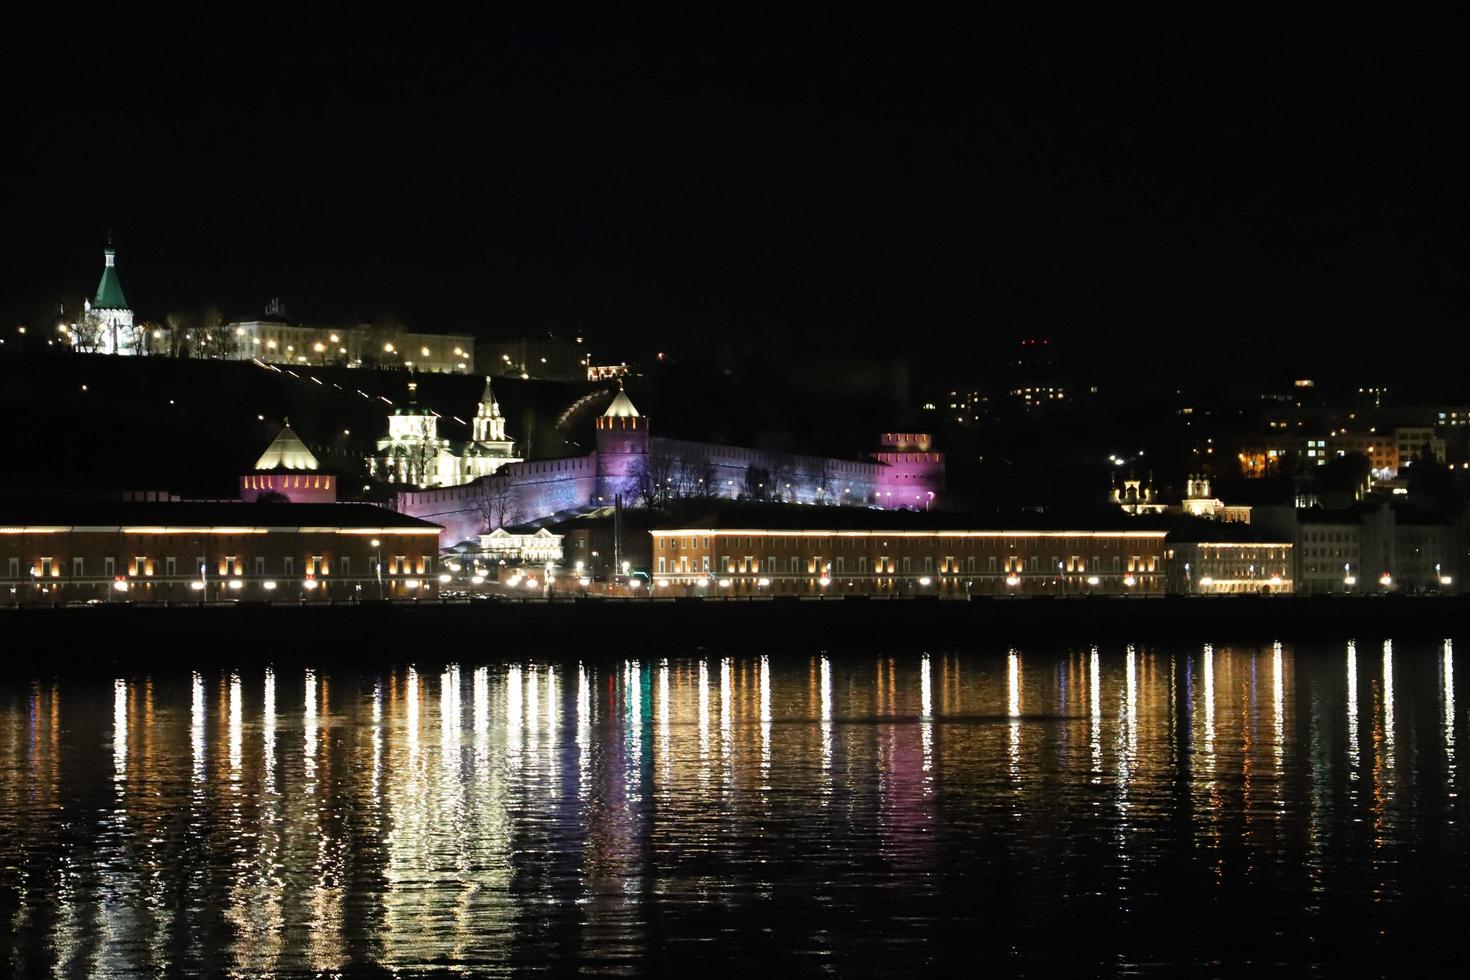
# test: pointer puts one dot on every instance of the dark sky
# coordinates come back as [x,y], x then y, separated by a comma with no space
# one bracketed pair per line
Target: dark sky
[1184,182]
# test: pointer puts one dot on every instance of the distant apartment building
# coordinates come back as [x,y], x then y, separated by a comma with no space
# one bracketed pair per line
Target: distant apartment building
[276,341]
[968,407]
[1329,547]
[1376,549]
[1387,451]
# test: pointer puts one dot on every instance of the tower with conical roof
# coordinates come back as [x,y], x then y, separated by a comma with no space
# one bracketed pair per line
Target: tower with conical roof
[288,470]
[109,311]
[622,449]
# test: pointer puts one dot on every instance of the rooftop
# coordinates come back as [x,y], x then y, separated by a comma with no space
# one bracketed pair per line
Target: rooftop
[50,515]
[286,452]
[109,289]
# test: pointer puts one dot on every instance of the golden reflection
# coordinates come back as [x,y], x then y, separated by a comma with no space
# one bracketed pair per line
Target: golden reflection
[926,714]
[196,725]
[634,688]
[1388,725]
[1130,694]
[1013,690]
[268,729]
[552,713]
[1209,672]
[514,706]
[411,714]
[264,864]
[1448,659]
[826,683]
[237,729]
[309,730]
[1352,710]
[765,709]
[1094,713]
[1278,708]
[663,717]
[119,730]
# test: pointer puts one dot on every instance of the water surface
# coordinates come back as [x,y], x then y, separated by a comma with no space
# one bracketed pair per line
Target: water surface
[1122,810]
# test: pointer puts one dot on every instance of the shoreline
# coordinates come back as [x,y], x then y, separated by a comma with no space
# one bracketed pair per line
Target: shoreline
[66,639]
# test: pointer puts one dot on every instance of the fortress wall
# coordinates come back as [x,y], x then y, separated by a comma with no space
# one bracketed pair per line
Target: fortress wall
[520,491]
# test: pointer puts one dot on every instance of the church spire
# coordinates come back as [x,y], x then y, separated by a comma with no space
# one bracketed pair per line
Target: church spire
[488,424]
[489,407]
[109,289]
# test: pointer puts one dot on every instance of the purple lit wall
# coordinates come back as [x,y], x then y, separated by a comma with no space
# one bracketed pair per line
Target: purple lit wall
[523,492]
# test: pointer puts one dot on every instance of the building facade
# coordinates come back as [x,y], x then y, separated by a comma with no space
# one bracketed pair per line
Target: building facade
[276,341]
[521,546]
[815,561]
[148,552]
[1230,567]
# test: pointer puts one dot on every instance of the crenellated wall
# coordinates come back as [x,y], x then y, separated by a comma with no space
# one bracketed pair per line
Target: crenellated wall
[626,456]
[515,494]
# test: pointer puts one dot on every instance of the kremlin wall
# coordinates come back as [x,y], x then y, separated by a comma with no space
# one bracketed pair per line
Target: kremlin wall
[632,463]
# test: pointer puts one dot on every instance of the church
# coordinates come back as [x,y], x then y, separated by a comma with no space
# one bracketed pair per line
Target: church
[107,321]
[414,454]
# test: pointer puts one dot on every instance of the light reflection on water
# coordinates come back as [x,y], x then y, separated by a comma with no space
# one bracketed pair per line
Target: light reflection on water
[865,814]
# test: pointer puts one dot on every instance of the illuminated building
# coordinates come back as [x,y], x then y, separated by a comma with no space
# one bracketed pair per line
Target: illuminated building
[643,469]
[1033,371]
[1376,549]
[128,551]
[288,471]
[968,407]
[275,340]
[1227,560]
[414,453]
[1387,452]
[1200,502]
[821,558]
[525,545]
[1329,554]
[1136,496]
[107,318]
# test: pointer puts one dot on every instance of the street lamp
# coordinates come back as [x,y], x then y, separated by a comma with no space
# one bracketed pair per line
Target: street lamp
[378,565]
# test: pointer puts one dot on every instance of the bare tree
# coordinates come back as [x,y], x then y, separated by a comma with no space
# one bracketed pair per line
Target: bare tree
[86,333]
[757,483]
[177,331]
[783,479]
[213,337]
[496,503]
[656,482]
[826,484]
[422,452]
[142,335]
[699,476]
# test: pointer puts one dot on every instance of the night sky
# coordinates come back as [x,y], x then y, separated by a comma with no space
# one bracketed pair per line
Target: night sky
[1194,189]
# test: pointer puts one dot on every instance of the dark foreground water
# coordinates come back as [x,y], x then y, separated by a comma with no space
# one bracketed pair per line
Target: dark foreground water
[1157,810]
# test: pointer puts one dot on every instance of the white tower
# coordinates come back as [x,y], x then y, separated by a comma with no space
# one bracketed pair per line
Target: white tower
[108,312]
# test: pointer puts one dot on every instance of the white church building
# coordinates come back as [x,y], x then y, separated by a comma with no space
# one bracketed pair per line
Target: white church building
[414,453]
[107,326]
